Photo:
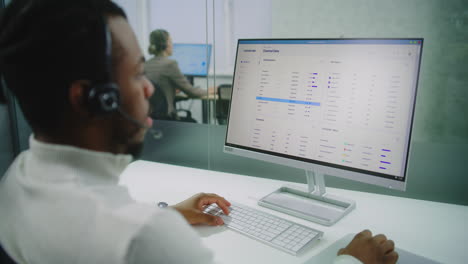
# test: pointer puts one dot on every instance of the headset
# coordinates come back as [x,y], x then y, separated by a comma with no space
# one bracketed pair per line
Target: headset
[103,98]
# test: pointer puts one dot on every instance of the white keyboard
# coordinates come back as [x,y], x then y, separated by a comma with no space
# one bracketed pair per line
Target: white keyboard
[269,229]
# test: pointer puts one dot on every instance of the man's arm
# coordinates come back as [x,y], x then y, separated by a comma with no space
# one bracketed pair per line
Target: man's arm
[181,83]
[167,238]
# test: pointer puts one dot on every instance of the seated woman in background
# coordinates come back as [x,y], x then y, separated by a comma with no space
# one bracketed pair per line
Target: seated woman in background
[165,72]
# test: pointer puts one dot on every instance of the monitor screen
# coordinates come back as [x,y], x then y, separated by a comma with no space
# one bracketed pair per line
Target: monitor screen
[193,59]
[346,104]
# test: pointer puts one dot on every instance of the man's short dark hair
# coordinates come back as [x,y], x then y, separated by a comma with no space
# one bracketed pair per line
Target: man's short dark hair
[46,45]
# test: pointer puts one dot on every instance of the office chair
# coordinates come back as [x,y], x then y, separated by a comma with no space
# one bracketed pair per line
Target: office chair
[159,107]
[5,258]
[158,104]
[222,105]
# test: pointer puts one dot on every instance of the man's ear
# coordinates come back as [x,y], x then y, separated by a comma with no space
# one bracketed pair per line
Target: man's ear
[77,95]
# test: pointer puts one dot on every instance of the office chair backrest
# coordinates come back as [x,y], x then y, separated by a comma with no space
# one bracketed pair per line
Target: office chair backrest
[159,107]
[158,103]
[5,258]
[224,91]
[222,105]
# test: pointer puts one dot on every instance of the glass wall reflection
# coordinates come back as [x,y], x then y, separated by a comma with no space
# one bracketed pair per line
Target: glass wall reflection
[203,38]
[179,60]
[219,24]
[190,48]
[439,133]
[173,35]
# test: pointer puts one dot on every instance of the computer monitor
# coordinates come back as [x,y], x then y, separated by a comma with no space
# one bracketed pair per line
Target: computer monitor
[193,59]
[340,107]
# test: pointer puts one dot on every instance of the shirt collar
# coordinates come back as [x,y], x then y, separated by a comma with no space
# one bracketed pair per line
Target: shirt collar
[94,165]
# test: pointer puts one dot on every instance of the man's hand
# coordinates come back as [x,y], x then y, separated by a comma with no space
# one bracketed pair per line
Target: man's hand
[371,250]
[192,209]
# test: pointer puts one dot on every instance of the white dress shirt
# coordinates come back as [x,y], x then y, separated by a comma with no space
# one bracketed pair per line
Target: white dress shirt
[62,204]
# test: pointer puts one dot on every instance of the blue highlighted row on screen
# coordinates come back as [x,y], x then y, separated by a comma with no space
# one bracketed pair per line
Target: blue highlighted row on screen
[289,101]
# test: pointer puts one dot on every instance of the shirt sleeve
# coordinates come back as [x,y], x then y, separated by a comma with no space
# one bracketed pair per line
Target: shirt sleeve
[180,82]
[346,259]
[167,238]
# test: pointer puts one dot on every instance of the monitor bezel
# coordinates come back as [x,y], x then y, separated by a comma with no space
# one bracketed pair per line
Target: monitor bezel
[366,176]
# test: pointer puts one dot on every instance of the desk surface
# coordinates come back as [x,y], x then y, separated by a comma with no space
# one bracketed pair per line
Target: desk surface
[436,230]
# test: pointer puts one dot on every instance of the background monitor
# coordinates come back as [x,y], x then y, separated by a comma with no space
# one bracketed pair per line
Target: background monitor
[341,107]
[193,59]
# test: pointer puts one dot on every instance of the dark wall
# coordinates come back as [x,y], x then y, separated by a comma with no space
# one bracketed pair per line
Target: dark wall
[6,143]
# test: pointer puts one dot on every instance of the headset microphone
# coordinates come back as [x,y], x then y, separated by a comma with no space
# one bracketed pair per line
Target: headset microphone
[157,134]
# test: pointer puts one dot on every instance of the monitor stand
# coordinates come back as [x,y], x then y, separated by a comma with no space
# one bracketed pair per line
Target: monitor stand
[314,204]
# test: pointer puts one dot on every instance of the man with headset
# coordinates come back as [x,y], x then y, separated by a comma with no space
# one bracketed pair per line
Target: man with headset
[77,71]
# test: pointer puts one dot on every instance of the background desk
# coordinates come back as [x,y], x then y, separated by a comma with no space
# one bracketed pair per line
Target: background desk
[208,115]
[436,230]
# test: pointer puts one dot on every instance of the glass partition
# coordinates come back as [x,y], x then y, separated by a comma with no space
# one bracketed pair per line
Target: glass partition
[440,139]
[436,170]
[179,55]
[437,163]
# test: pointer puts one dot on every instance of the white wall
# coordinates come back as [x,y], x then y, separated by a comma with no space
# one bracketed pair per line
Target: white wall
[249,19]
[193,21]
[137,14]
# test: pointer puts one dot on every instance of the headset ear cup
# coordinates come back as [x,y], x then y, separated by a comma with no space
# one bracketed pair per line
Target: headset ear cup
[104,98]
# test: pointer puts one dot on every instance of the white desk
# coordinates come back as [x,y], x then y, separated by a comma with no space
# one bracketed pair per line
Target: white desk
[435,230]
